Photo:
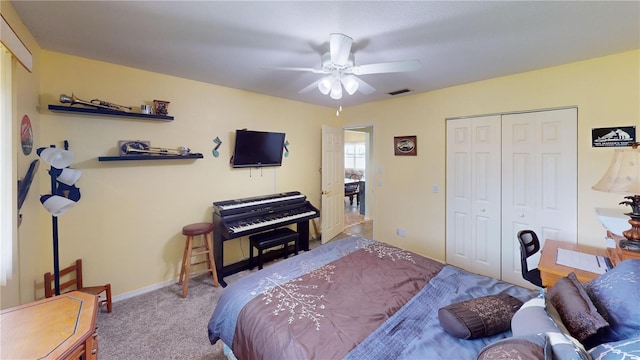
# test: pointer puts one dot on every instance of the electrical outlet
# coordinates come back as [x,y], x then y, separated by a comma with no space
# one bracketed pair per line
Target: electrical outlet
[401,232]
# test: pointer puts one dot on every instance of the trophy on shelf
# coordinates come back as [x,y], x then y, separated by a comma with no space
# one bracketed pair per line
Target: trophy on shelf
[161,107]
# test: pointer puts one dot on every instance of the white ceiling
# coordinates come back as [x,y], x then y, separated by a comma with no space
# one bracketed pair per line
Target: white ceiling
[229,42]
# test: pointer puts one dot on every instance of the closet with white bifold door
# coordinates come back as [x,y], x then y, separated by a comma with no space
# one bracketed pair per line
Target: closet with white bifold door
[506,173]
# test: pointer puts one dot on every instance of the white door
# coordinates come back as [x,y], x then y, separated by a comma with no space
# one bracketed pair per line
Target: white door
[539,169]
[332,211]
[473,194]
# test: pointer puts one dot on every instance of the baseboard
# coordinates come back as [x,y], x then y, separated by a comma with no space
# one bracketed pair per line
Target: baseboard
[143,290]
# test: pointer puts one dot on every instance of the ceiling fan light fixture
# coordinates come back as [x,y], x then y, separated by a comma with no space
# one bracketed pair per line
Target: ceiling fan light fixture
[324,85]
[350,84]
[336,90]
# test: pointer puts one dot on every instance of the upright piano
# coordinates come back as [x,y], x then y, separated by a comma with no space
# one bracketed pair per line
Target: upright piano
[242,217]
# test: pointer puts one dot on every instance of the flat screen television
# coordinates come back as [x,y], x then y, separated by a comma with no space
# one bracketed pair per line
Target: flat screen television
[257,149]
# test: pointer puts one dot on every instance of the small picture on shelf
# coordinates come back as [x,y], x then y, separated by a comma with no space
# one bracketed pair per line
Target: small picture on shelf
[161,107]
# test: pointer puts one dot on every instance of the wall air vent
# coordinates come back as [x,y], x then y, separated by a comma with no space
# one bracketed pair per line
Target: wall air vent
[398,92]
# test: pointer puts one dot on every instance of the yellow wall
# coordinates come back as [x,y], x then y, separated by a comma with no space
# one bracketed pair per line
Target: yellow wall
[606,91]
[127,224]
[354,136]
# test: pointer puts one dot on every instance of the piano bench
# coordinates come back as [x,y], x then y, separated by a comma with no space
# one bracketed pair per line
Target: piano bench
[269,239]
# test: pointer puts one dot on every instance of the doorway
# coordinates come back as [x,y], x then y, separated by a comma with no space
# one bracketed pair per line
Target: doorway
[358,217]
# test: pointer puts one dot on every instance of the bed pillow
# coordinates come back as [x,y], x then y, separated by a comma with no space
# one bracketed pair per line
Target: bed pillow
[532,347]
[484,316]
[577,311]
[616,295]
[617,350]
[537,317]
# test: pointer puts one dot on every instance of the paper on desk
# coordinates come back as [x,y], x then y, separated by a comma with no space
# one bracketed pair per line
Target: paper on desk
[592,263]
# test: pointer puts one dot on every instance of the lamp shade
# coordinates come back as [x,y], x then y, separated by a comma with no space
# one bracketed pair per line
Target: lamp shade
[623,174]
[69,176]
[350,84]
[324,85]
[336,90]
[56,205]
[58,158]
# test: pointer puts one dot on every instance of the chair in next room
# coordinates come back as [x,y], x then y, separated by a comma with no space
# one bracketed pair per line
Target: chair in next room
[529,245]
[75,283]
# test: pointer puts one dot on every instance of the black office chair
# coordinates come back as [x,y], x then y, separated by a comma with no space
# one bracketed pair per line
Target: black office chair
[529,245]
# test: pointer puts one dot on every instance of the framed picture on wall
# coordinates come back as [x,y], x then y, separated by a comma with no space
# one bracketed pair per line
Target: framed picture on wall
[405,145]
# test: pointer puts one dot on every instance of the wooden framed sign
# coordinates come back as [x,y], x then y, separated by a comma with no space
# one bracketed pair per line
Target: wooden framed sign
[405,145]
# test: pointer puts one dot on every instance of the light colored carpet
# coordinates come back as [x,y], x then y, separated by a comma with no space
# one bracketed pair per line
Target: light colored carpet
[163,325]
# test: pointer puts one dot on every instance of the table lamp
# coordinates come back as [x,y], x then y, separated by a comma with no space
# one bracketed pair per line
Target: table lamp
[623,177]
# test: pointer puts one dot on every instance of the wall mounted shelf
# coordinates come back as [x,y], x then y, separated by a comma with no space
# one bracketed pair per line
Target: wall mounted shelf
[105,112]
[150,157]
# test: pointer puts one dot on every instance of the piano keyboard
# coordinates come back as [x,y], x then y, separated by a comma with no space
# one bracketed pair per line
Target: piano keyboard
[251,225]
[259,202]
[236,218]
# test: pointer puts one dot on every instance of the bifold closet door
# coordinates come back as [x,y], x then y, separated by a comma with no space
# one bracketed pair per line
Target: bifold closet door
[539,182]
[473,194]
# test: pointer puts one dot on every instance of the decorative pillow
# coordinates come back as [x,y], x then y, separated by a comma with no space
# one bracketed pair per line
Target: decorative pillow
[623,349]
[532,318]
[532,347]
[479,317]
[616,295]
[576,310]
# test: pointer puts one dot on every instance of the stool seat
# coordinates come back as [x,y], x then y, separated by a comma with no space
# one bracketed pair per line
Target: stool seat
[206,249]
[269,239]
[197,229]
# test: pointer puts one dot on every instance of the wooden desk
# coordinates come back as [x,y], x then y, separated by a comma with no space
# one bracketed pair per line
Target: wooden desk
[60,327]
[550,272]
[617,254]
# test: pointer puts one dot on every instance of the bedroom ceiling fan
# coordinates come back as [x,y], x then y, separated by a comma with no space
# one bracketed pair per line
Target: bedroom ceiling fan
[340,69]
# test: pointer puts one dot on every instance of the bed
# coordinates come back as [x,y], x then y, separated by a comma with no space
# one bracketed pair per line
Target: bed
[358,298]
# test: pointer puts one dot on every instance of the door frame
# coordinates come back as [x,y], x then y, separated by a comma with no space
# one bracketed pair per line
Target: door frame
[369,174]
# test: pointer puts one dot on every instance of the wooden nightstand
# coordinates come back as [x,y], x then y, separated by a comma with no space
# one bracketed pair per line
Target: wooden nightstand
[617,254]
[61,327]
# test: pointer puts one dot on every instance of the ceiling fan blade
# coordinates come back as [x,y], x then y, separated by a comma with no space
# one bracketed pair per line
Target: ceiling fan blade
[316,71]
[313,85]
[364,87]
[340,48]
[388,67]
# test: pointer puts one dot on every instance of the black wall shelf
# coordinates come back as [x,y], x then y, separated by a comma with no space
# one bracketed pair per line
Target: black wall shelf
[105,112]
[150,157]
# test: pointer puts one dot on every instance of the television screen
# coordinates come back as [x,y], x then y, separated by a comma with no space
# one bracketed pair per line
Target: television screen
[257,149]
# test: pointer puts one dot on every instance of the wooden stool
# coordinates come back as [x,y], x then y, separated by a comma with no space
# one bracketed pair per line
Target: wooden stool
[204,229]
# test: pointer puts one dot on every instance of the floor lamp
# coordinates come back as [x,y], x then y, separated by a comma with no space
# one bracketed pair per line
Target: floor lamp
[64,194]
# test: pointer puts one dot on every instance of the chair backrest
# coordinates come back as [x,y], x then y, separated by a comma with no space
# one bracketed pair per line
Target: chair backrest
[74,281]
[351,188]
[529,242]
[529,245]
